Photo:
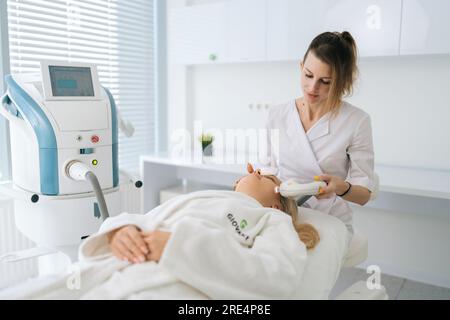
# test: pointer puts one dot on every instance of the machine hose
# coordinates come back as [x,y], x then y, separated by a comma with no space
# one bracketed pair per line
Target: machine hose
[92,178]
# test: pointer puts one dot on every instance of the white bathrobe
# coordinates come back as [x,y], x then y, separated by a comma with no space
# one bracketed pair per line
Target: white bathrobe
[224,245]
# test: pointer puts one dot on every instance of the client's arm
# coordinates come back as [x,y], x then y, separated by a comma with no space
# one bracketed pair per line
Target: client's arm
[120,236]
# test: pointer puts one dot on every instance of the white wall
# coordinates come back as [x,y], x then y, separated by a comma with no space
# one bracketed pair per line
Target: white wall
[407,245]
[408,99]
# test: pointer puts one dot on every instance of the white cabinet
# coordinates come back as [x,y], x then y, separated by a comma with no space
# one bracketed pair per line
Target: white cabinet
[232,31]
[375,24]
[291,26]
[425,27]
[273,30]
[246,30]
[197,34]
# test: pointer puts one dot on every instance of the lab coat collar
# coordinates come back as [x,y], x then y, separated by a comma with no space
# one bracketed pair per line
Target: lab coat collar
[319,129]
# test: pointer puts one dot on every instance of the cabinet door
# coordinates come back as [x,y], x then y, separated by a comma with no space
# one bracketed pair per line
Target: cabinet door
[197,34]
[246,30]
[291,26]
[425,27]
[375,24]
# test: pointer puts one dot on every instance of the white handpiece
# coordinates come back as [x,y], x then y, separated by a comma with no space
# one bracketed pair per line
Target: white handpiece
[295,190]
[125,125]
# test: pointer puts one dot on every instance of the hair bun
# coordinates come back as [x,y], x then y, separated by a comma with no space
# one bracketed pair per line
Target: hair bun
[347,37]
[308,235]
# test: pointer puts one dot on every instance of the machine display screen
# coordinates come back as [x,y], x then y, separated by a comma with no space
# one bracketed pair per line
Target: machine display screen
[71,81]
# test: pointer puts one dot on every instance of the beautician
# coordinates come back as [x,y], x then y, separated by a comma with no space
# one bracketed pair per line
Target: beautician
[322,137]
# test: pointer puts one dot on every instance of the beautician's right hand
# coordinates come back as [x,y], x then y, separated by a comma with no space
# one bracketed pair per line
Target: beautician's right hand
[127,243]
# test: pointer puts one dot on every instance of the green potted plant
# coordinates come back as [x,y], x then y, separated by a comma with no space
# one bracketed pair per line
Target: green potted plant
[206,140]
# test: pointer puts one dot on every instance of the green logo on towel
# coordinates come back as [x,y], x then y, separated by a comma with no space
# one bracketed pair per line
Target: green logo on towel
[243,224]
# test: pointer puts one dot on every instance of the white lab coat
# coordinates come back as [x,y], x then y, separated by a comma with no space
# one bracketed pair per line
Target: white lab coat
[338,145]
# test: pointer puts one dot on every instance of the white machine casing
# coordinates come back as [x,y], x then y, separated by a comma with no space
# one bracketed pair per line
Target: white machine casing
[59,222]
[74,124]
[52,209]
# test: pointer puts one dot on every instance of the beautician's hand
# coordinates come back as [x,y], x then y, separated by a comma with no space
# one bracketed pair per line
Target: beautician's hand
[335,185]
[127,243]
[156,242]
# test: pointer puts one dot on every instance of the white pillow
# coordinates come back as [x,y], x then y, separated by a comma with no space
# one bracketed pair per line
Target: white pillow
[325,260]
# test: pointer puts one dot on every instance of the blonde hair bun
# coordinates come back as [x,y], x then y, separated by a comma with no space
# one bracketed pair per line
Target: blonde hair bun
[307,234]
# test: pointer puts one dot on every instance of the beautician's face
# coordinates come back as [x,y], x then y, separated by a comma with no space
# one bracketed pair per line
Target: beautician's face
[261,188]
[315,80]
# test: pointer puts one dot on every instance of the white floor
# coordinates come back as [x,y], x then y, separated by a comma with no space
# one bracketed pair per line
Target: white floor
[397,288]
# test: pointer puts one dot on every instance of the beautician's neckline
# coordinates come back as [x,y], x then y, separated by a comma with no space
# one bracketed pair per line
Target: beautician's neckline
[325,117]
[303,105]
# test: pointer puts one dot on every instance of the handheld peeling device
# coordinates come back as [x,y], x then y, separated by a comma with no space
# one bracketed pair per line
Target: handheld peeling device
[300,192]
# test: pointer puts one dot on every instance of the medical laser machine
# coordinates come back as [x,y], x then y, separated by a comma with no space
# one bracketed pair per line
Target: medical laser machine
[64,153]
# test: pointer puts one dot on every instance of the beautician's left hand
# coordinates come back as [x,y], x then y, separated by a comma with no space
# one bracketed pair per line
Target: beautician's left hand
[335,185]
[156,242]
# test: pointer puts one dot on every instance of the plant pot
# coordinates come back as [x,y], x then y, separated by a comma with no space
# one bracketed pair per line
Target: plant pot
[207,150]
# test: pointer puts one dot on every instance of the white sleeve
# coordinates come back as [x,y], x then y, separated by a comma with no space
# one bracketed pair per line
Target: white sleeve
[361,154]
[97,246]
[268,162]
[211,260]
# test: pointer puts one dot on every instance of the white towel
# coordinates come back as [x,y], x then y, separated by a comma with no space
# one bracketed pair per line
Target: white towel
[224,245]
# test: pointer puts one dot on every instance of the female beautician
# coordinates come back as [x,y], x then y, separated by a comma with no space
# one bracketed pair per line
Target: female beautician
[322,137]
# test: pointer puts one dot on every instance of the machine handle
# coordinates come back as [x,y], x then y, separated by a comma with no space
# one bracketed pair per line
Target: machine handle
[11,118]
[125,125]
[132,178]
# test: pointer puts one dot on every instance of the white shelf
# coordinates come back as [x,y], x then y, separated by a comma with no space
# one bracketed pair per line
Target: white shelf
[415,182]
[225,168]
[161,172]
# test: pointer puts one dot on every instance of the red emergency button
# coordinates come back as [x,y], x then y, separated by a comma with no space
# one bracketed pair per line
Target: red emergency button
[95,139]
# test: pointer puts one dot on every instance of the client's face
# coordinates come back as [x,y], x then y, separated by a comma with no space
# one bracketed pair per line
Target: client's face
[261,188]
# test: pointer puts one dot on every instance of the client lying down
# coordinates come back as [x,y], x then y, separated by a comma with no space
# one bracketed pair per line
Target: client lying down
[204,245]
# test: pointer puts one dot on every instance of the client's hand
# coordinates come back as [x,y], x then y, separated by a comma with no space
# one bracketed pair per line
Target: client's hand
[156,242]
[127,243]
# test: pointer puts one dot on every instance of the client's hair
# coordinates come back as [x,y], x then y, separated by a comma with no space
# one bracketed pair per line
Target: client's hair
[306,232]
